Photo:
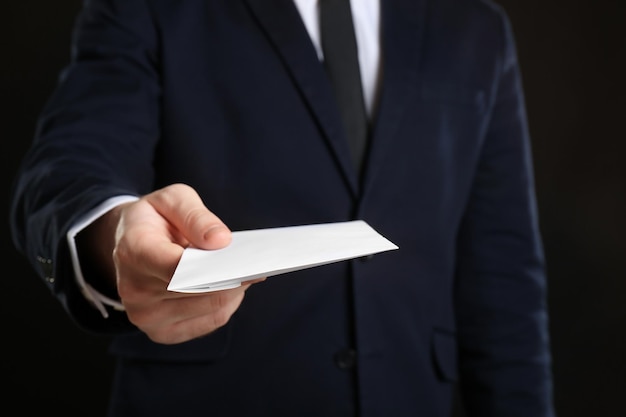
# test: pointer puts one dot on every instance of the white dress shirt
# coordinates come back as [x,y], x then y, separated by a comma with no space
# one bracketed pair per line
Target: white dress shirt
[366,18]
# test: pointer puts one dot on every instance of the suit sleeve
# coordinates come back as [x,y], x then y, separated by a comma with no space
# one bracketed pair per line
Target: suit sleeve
[500,279]
[95,139]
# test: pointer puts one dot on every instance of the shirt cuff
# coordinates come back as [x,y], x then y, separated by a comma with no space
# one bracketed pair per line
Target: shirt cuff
[96,298]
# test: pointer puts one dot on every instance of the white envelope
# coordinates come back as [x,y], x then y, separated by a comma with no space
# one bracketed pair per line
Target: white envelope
[267,252]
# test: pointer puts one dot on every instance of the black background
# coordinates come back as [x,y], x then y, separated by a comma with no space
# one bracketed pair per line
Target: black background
[572,58]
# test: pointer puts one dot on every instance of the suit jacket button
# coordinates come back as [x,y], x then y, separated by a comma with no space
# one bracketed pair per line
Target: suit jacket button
[345,359]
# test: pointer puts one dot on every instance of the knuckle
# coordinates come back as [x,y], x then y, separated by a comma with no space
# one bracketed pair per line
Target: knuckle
[121,254]
[194,217]
[162,336]
[220,318]
[225,304]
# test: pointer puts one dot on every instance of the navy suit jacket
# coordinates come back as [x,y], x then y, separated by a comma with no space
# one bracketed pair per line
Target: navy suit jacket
[230,98]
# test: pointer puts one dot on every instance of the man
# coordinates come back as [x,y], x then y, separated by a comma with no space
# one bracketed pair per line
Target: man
[178,122]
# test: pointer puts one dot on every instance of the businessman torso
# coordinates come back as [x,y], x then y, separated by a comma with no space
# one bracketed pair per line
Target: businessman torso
[231,98]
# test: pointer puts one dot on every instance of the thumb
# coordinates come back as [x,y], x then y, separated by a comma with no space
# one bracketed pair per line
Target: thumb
[181,205]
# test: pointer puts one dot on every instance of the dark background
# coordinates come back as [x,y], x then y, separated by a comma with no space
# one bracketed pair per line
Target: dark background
[572,56]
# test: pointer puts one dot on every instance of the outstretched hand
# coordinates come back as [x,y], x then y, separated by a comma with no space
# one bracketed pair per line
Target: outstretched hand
[148,238]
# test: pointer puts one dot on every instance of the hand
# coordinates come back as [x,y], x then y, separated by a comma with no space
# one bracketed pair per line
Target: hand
[147,239]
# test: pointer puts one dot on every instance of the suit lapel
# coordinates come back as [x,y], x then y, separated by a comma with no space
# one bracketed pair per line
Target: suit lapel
[402,26]
[282,23]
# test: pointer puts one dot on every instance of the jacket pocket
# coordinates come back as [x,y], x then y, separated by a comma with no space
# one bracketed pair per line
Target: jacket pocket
[445,355]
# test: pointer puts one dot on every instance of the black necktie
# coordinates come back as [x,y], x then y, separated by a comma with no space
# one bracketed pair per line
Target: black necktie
[342,64]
